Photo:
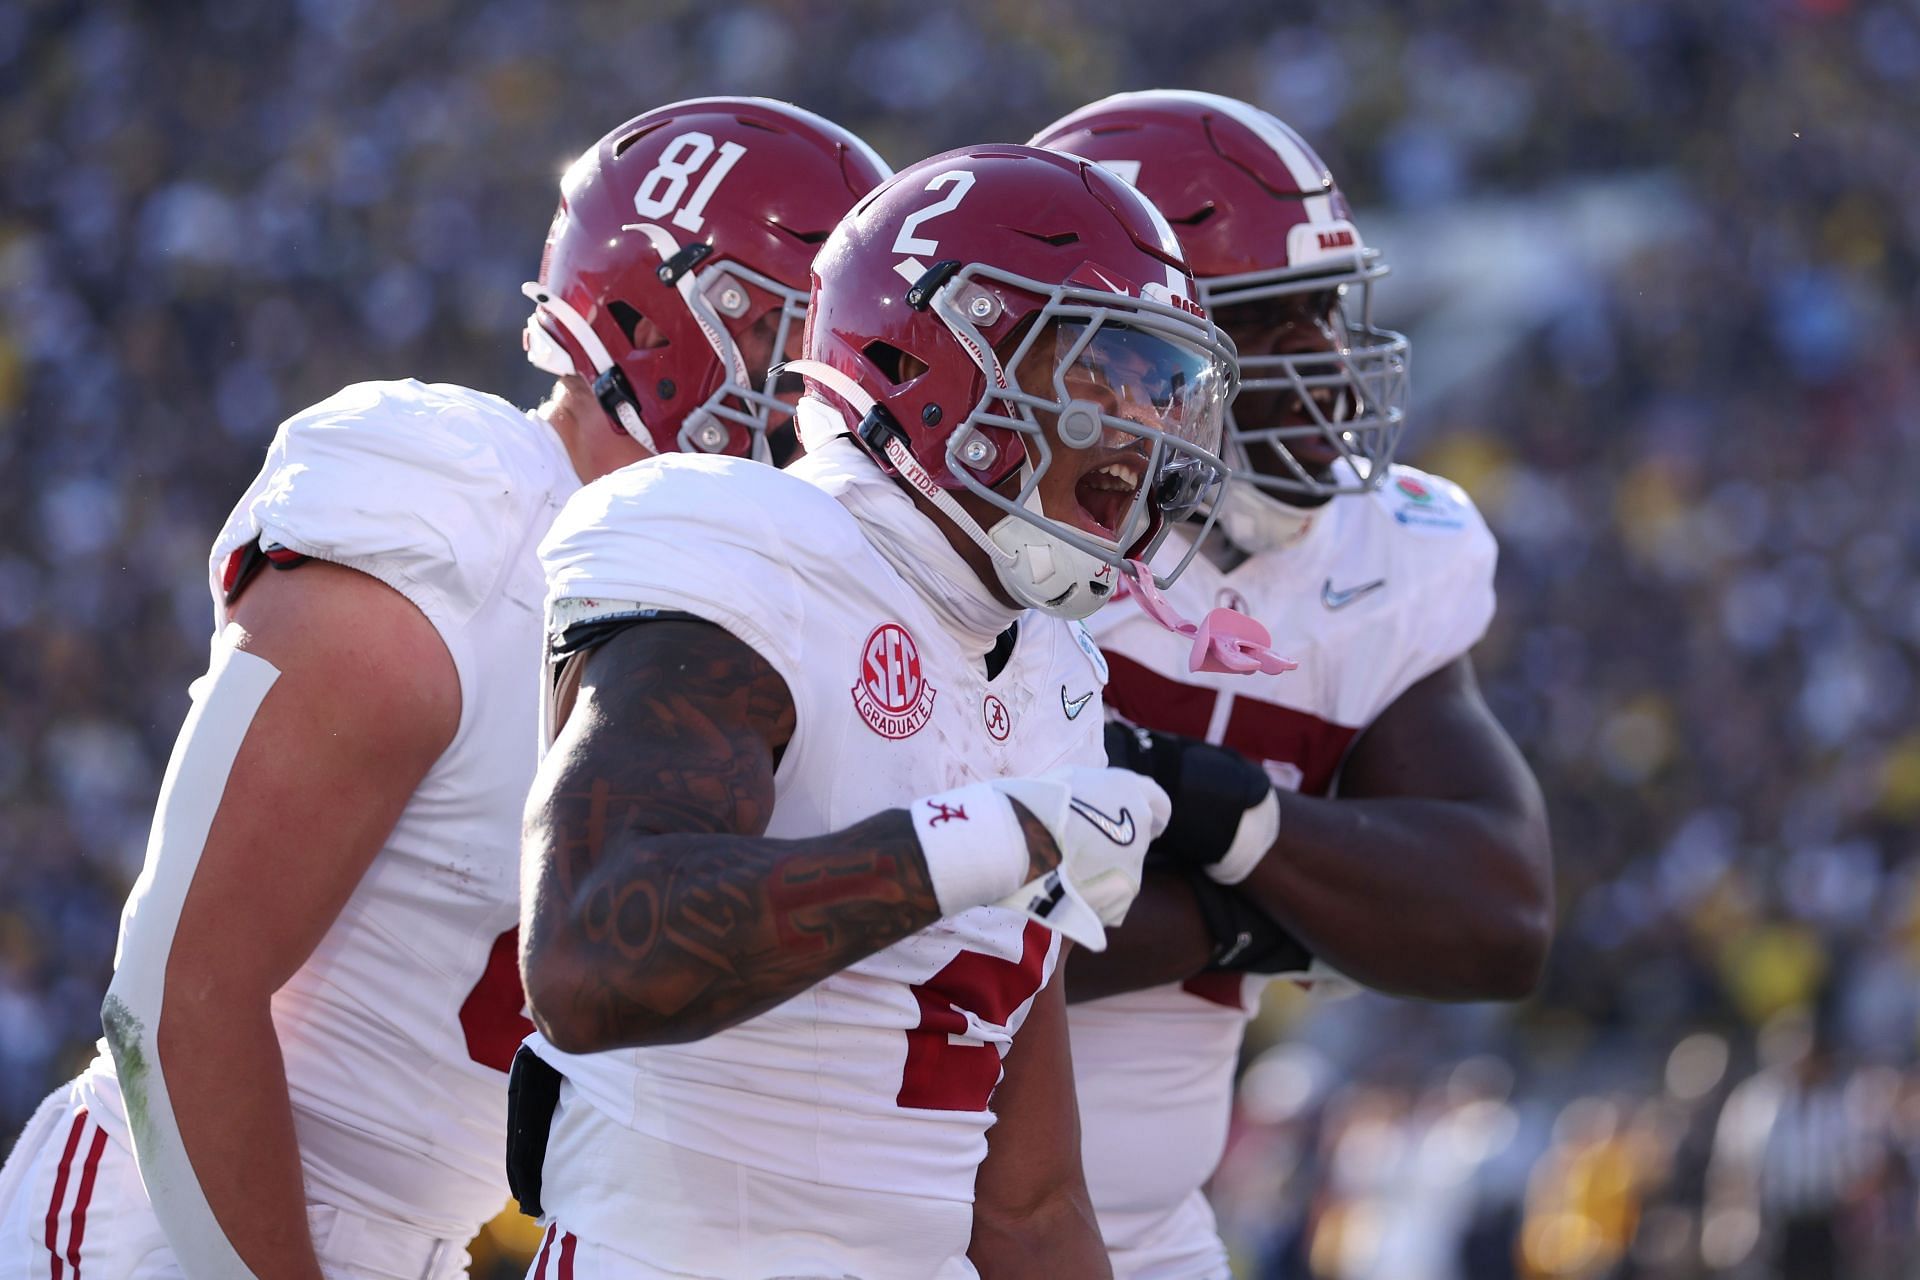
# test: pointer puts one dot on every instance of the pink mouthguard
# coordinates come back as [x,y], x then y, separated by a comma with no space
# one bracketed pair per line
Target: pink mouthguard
[1224,640]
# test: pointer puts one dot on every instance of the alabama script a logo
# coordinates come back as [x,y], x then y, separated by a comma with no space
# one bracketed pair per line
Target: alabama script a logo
[891,695]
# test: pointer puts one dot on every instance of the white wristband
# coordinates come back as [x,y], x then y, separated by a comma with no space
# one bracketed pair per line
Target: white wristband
[1259,828]
[976,852]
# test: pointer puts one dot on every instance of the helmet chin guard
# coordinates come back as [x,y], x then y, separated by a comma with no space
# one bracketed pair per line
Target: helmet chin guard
[1046,572]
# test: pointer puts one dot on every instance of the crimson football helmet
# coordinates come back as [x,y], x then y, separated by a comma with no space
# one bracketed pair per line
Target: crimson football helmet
[997,312]
[1267,232]
[675,269]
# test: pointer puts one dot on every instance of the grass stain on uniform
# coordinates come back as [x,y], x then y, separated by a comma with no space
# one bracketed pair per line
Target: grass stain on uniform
[126,1037]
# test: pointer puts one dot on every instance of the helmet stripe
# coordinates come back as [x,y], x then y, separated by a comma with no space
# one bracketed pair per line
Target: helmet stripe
[847,136]
[1285,143]
[819,122]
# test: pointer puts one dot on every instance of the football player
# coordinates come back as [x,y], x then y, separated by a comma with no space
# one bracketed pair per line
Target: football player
[316,995]
[1366,809]
[829,784]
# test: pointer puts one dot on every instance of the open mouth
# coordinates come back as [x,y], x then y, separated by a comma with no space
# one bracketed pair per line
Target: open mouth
[1107,492]
[1314,451]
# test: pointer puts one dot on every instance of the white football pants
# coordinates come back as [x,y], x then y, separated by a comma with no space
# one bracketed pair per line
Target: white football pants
[72,1207]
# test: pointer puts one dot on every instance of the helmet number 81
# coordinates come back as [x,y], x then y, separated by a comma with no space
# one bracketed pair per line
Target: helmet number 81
[661,190]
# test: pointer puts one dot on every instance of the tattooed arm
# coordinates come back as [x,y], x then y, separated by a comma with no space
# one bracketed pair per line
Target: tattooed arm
[657,912]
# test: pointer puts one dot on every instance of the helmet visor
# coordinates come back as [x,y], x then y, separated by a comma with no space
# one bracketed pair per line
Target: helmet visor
[1119,404]
[1144,379]
[1130,430]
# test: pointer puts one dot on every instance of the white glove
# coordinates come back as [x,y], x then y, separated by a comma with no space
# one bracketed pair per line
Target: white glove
[1102,820]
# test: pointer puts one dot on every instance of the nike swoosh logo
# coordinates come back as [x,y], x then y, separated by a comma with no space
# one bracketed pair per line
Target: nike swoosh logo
[1119,830]
[1342,598]
[1074,706]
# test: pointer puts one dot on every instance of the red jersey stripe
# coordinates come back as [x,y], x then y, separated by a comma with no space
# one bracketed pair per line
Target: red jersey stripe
[546,1246]
[1150,699]
[1219,987]
[78,1231]
[1259,730]
[60,1190]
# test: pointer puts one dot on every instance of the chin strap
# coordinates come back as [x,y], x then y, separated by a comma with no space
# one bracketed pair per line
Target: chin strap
[1028,558]
[890,443]
[609,384]
[909,466]
[1225,641]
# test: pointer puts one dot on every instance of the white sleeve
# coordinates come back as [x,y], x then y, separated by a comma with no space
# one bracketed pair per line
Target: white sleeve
[1453,557]
[406,488]
[1471,591]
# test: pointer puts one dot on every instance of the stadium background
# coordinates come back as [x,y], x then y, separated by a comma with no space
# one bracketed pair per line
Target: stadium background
[1659,265]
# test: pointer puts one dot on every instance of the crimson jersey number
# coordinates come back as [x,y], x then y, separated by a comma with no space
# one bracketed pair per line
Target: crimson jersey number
[491,1016]
[948,1070]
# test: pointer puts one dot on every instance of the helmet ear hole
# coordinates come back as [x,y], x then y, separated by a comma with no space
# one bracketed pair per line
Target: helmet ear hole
[896,366]
[641,333]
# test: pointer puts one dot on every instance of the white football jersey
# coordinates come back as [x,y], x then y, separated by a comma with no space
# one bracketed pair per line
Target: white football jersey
[866,1098]
[1379,591]
[398,1030]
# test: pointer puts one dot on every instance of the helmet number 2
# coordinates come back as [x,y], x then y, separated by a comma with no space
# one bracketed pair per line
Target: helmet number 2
[661,190]
[907,242]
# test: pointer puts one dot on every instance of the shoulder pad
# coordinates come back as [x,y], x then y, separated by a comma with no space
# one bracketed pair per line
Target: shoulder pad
[1445,549]
[1419,501]
[694,534]
[429,489]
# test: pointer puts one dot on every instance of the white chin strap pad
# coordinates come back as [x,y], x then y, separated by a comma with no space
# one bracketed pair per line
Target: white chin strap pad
[1047,573]
[817,423]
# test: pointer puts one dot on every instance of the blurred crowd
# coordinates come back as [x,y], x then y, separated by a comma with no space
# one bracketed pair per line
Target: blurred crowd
[1700,458]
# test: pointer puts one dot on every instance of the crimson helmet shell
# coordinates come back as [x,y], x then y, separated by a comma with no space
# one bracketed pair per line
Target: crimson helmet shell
[1259,216]
[979,251]
[677,234]
[1022,211]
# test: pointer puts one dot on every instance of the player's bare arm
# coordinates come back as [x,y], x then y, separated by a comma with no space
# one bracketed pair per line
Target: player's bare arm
[365,700]
[1165,939]
[1032,1215]
[659,912]
[1431,875]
